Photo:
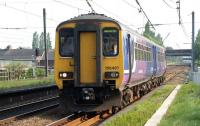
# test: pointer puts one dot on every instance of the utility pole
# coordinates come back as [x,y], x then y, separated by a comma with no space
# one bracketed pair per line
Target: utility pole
[179,11]
[193,55]
[45,43]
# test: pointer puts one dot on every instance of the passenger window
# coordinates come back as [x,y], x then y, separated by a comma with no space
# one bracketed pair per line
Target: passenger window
[66,42]
[110,42]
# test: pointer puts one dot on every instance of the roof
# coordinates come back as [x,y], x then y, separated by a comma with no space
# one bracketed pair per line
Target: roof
[16,54]
[102,17]
[90,16]
[50,55]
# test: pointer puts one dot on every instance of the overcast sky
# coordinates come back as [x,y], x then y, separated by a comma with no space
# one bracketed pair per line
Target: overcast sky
[27,15]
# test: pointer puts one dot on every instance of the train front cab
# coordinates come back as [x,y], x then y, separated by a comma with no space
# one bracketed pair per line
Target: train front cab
[89,68]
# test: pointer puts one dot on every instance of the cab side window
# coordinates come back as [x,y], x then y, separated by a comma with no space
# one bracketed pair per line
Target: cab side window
[110,42]
[66,42]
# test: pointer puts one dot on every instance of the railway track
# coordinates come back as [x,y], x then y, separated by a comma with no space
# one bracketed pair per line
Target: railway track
[174,71]
[90,119]
[15,104]
[82,119]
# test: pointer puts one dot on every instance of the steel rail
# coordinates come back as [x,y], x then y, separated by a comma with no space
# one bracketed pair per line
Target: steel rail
[98,118]
[24,110]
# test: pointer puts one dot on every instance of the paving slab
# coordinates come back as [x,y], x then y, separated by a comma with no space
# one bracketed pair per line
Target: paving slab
[157,116]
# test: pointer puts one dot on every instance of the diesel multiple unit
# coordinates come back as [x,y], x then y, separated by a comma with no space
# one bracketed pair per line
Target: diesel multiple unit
[100,63]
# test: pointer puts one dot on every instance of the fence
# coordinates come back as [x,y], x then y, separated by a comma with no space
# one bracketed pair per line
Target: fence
[4,75]
[10,75]
[17,74]
[195,76]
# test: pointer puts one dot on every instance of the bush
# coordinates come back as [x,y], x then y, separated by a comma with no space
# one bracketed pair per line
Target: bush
[29,73]
[40,72]
[16,70]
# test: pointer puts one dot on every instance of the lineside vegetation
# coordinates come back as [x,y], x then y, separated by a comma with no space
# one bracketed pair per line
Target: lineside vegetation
[27,83]
[185,109]
[143,110]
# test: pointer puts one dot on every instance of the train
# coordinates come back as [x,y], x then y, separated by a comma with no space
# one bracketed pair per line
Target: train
[100,63]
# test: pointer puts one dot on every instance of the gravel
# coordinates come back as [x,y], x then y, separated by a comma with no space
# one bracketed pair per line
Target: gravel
[41,119]
[50,116]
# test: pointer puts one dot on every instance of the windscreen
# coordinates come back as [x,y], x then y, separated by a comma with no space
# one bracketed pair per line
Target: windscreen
[110,42]
[66,42]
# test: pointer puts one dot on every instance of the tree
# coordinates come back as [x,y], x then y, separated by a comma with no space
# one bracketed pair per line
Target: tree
[197,47]
[41,42]
[38,41]
[35,41]
[151,35]
[48,41]
[147,30]
[159,38]
[169,48]
[8,47]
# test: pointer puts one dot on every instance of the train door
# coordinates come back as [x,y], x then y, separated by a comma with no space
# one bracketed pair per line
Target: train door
[87,57]
[154,60]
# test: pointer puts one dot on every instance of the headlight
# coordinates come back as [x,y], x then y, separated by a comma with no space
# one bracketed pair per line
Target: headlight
[111,74]
[66,75]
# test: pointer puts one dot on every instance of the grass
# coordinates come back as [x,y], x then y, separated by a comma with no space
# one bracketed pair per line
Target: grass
[185,109]
[143,110]
[19,84]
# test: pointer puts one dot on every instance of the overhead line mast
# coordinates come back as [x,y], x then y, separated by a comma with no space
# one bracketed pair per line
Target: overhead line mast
[179,11]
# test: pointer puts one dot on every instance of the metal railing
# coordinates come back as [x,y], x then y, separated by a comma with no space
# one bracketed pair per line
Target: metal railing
[6,75]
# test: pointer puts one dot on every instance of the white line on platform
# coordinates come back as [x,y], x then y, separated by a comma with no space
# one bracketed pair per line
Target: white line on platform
[157,116]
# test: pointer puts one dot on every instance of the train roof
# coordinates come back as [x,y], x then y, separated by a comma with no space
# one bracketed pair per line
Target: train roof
[102,17]
[91,16]
[126,28]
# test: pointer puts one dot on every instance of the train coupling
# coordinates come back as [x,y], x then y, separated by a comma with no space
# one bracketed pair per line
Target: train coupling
[88,94]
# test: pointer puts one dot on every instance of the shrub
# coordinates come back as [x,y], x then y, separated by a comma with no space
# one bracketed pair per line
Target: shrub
[29,73]
[16,70]
[40,72]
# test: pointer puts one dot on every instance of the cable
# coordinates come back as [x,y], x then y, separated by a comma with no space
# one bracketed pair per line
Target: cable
[25,1]
[129,4]
[10,42]
[181,21]
[168,4]
[6,37]
[23,28]
[26,12]
[110,12]
[90,6]
[12,28]
[145,14]
[184,30]
[65,4]
[163,24]
[172,1]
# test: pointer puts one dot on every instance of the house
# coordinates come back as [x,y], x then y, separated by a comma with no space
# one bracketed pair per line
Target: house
[24,56]
[50,56]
